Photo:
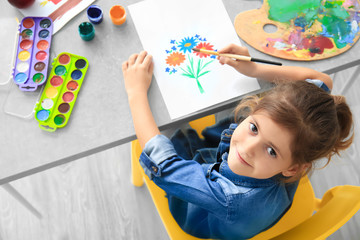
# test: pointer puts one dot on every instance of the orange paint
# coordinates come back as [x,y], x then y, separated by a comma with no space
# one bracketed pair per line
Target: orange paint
[117,14]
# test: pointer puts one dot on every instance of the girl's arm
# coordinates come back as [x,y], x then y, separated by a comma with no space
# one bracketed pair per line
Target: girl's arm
[271,73]
[137,73]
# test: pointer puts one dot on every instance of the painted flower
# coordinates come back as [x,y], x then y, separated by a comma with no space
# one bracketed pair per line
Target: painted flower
[175,59]
[206,46]
[187,44]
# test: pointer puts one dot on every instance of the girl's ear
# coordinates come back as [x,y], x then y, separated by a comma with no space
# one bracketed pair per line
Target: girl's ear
[295,169]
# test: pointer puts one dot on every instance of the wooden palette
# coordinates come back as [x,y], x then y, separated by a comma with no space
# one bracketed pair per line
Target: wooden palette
[305,30]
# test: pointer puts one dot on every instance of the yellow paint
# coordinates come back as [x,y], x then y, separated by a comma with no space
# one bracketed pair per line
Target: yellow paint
[24,55]
[51,92]
[301,54]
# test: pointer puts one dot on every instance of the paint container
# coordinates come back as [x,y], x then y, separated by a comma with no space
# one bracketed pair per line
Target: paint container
[33,50]
[61,91]
[117,14]
[95,14]
[86,31]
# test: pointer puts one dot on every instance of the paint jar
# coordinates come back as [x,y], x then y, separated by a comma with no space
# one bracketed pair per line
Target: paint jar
[86,31]
[95,14]
[117,14]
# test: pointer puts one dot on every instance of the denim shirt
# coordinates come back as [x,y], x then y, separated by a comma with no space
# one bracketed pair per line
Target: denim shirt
[208,200]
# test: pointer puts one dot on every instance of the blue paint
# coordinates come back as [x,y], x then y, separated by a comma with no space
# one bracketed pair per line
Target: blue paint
[95,14]
[76,74]
[20,78]
[43,115]
[300,22]
[44,33]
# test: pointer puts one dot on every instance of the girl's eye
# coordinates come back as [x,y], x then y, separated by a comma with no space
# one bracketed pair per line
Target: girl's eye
[271,151]
[253,128]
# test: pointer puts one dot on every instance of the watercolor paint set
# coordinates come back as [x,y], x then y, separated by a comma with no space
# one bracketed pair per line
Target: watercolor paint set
[33,51]
[61,90]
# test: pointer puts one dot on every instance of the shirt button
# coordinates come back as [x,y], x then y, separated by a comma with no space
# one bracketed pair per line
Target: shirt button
[154,169]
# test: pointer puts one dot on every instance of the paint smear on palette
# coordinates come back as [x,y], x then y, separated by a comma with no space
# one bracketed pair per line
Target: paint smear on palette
[306,29]
[192,65]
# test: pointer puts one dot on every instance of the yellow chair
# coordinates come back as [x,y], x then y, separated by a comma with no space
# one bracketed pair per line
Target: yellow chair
[336,207]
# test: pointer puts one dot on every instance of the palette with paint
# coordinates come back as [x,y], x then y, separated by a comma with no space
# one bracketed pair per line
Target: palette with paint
[61,91]
[32,56]
[305,30]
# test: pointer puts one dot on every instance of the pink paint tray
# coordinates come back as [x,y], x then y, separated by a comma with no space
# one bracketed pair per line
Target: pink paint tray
[33,50]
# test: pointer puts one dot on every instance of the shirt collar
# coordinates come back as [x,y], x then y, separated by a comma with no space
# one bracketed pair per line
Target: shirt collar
[244,181]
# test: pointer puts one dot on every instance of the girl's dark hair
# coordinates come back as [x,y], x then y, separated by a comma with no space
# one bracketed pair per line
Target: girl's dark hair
[321,123]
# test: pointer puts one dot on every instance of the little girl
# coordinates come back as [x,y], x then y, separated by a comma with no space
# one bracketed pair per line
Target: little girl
[247,182]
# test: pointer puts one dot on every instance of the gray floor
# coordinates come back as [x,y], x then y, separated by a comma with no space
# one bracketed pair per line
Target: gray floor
[93,198]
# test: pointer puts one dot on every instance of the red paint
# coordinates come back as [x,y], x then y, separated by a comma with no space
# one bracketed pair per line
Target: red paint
[316,45]
[56,81]
[42,45]
[41,56]
[28,23]
[26,44]
[68,97]
[72,85]
[64,59]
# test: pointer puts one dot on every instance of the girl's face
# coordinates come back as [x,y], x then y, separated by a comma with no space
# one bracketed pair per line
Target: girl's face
[260,148]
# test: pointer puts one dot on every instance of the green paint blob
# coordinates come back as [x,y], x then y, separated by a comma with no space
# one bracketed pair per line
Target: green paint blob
[284,11]
[38,78]
[60,70]
[59,119]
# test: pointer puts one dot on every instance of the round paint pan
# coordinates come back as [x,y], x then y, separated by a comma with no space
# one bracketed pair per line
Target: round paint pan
[60,70]
[47,103]
[41,55]
[59,119]
[42,45]
[51,92]
[45,23]
[38,78]
[95,14]
[44,33]
[68,97]
[72,85]
[20,78]
[22,66]
[76,74]
[64,59]
[64,108]
[117,14]
[39,66]
[26,44]
[26,34]
[28,23]
[80,63]
[56,81]
[43,115]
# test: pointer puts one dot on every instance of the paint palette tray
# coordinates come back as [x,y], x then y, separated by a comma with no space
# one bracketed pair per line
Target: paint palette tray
[32,55]
[61,90]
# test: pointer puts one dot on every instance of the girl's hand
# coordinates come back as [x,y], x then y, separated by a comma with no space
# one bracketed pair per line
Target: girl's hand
[243,67]
[137,72]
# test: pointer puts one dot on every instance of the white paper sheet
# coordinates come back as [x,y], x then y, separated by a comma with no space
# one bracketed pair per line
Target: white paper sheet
[168,30]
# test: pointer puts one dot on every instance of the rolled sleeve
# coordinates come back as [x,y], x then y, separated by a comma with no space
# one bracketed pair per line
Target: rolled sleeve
[320,84]
[157,149]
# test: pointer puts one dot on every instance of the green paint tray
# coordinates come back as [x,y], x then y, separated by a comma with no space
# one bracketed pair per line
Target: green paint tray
[61,90]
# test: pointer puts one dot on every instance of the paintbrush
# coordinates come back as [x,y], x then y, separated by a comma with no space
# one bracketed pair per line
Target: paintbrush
[235,56]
